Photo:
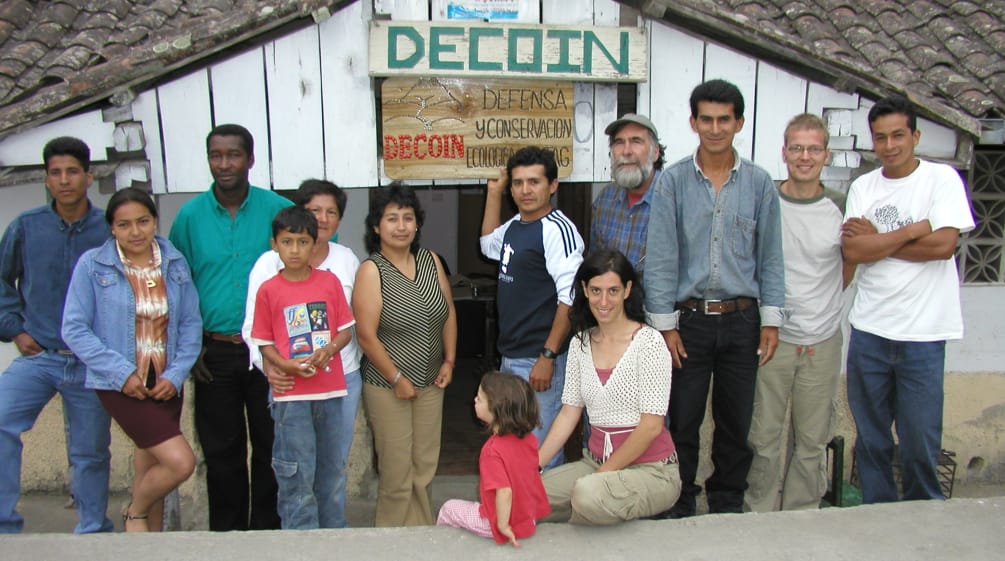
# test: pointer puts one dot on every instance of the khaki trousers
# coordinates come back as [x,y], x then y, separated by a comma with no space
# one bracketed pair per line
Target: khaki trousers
[808,376]
[406,438]
[580,495]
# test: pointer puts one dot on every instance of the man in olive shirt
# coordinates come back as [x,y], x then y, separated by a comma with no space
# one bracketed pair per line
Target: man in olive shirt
[221,233]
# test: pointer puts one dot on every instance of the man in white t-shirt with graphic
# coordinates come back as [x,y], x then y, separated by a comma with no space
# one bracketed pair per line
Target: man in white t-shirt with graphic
[807,363]
[903,221]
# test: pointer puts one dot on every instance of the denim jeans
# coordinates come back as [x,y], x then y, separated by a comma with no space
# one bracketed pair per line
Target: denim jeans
[549,402]
[348,406]
[721,352]
[25,388]
[305,457]
[896,381]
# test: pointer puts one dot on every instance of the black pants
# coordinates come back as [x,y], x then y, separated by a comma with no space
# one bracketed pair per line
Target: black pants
[721,350]
[220,408]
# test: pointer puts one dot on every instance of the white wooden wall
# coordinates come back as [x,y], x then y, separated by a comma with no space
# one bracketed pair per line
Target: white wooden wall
[310,104]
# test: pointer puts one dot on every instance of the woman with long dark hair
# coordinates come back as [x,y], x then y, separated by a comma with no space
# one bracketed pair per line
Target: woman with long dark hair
[619,370]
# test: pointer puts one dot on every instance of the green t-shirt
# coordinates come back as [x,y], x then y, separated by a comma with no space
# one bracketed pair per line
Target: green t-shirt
[221,251]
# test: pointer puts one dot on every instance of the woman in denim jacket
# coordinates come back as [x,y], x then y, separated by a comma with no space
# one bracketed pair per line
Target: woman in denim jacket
[132,317]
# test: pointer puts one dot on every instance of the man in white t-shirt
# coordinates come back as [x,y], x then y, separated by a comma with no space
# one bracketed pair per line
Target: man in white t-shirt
[807,362]
[902,225]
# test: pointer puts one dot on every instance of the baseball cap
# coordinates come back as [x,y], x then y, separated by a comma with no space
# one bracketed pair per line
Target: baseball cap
[631,118]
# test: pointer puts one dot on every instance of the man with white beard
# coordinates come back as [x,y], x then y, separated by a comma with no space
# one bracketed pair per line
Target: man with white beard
[621,211]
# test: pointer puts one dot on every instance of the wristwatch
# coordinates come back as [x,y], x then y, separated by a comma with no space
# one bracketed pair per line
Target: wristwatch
[548,353]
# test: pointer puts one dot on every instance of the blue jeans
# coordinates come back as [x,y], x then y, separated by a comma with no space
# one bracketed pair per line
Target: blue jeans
[25,388]
[343,441]
[896,381]
[306,460]
[549,402]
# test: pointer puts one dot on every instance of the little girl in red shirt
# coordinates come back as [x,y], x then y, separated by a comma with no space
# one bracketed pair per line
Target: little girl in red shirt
[512,495]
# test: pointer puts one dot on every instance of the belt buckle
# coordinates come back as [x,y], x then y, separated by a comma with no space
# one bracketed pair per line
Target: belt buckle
[706,311]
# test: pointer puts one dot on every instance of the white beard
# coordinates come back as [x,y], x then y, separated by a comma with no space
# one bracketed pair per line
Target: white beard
[631,177]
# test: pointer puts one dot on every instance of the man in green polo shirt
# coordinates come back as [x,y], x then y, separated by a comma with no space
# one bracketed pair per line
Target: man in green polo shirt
[221,233]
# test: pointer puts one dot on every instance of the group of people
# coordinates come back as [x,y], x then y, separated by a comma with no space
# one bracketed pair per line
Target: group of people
[735,285]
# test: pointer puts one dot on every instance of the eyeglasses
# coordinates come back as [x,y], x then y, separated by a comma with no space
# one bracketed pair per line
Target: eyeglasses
[796,149]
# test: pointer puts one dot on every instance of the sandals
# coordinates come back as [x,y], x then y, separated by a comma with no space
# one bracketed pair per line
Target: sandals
[126,517]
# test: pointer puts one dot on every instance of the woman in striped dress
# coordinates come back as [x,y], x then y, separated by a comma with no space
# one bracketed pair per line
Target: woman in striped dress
[406,326]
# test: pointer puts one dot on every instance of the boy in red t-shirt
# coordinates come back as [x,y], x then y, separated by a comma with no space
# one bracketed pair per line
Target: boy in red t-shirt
[296,313]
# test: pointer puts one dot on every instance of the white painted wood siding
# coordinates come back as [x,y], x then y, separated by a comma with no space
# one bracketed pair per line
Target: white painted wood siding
[293,72]
[350,120]
[238,94]
[311,107]
[185,118]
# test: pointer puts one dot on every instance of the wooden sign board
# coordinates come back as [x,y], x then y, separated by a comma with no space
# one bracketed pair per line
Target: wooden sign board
[451,128]
[495,50]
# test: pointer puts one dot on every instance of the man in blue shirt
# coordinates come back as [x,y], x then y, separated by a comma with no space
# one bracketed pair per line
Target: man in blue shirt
[715,287]
[221,233]
[621,211]
[37,256]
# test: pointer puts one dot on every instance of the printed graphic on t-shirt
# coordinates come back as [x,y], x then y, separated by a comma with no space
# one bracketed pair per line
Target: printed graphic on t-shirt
[889,216]
[307,328]
[507,252]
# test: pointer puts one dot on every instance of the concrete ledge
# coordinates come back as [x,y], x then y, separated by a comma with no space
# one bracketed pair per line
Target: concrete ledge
[968,529]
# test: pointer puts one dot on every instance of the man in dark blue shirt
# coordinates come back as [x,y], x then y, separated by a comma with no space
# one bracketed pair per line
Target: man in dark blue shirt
[37,256]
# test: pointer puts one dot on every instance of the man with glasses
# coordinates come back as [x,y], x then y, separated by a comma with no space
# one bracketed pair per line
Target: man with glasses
[807,363]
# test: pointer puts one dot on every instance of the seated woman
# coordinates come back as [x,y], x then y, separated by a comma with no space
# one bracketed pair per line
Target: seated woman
[132,317]
[619,369]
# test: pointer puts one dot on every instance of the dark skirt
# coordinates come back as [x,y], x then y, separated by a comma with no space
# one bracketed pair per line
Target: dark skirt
[147,422]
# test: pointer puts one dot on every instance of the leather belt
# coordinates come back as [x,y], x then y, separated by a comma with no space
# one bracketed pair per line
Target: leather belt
[235,339]
[64,352]
[717,307]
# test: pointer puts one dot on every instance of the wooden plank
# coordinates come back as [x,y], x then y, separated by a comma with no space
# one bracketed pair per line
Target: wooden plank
[741,70]
[185,120]
[578,12]
[403,10]
[435,128]
[937,141]
[780,96]
[350,117]
[25,148]
[567,12]
[820,98]
[293,71]
[145,111]
[670,87]
[605,97]
[642,90]
[238,90]
[583,133]
[469,49]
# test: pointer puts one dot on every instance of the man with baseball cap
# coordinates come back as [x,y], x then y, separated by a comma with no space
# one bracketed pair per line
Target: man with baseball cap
[621,211]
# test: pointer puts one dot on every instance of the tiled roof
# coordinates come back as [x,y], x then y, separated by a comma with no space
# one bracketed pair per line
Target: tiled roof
[946,55]
[58,56]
